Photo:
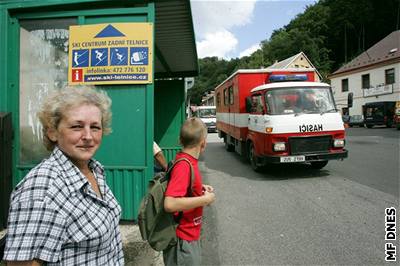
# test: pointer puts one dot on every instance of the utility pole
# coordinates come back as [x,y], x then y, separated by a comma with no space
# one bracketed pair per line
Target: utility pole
[398,14]
[345,42]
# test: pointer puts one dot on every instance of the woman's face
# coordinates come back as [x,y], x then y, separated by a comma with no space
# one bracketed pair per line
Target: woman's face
[79,133]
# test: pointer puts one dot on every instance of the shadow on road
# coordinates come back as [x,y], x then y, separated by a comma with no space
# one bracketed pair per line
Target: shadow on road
[217,158]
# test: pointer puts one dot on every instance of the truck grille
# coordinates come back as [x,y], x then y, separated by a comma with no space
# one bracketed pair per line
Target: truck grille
[309,145]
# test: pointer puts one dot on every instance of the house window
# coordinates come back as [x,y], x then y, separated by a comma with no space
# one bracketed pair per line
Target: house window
[226,97]
[389,76]
[345,85]
[230,95]
[218,99]
[365,81]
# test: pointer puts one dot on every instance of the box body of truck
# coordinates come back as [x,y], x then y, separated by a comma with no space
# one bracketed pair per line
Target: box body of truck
[263,115]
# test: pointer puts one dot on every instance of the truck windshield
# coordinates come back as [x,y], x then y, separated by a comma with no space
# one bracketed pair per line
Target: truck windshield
[299,100]
[204,113]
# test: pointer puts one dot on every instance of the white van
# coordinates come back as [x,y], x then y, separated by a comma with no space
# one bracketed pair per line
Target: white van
[207,115]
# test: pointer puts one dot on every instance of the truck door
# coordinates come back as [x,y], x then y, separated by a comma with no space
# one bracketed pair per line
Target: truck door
[228,102]
[232,114]
[257,123]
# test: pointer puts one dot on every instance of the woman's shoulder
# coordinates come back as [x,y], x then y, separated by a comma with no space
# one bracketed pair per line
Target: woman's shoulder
[37,182]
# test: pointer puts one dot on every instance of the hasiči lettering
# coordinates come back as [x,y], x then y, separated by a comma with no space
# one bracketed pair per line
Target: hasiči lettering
[310,128]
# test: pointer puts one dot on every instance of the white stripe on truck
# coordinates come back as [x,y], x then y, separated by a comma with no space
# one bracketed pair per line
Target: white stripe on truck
[302,123]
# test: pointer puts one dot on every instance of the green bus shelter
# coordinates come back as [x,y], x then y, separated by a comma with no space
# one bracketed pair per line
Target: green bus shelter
[34,40]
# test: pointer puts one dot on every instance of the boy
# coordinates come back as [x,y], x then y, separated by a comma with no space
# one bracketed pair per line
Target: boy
[179,198]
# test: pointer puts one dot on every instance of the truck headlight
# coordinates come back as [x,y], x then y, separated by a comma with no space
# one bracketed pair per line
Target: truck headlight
[338,143]
[279,146]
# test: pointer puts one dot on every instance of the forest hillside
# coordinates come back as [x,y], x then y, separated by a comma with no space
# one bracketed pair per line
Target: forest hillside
[330,33]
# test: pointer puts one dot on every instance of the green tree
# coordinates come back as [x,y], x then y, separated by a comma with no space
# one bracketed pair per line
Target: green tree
[329,32]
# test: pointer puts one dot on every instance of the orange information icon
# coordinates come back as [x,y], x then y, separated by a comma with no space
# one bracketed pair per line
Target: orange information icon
[77,75]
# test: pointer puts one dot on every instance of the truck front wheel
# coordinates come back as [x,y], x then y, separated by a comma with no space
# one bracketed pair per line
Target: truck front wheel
[253,159]
[319,165]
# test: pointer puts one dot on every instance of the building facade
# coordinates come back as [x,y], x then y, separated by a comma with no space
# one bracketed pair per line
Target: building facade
[373,76]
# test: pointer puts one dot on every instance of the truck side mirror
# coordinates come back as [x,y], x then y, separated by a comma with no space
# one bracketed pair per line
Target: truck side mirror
[350,100]
[248,104]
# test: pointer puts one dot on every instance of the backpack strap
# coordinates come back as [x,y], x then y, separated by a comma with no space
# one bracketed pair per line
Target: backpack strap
[190,188]
[192,177]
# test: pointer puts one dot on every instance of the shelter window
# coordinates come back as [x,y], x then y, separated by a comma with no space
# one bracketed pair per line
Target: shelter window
[389,76]
[43,69]
[345,85]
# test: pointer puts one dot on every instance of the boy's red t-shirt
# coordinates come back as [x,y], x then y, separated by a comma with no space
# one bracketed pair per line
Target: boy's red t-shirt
[190,224]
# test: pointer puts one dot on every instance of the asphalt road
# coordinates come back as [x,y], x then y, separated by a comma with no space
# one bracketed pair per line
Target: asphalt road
[373,158]
[293,215]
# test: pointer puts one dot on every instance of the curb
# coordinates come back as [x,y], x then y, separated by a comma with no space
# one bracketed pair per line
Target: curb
[136,251]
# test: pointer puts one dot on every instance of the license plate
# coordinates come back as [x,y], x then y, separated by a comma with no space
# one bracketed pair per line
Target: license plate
[293,159]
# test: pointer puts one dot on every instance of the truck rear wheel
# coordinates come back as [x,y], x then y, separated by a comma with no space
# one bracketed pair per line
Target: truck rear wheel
[228,147]
[319,165]
[253,159]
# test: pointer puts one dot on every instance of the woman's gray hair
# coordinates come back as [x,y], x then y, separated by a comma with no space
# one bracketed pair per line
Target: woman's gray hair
[59,101]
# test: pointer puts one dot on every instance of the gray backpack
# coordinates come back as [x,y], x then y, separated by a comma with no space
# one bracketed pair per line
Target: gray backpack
[157,226]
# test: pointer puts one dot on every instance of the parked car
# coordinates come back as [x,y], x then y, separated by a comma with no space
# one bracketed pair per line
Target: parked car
[396,117]
[356,120]
[378,114]
[345,118]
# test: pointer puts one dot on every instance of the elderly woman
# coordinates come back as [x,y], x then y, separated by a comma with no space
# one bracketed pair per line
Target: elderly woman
[63,212]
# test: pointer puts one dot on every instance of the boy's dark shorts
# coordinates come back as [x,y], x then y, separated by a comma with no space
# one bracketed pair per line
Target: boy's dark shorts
[184,253]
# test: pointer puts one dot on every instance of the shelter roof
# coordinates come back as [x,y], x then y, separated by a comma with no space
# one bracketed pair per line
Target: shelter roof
[175,45]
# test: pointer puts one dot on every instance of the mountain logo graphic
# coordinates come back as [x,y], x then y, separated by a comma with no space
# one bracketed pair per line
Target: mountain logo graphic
[109,31]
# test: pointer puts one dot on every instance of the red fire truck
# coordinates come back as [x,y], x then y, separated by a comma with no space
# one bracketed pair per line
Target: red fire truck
[279,116]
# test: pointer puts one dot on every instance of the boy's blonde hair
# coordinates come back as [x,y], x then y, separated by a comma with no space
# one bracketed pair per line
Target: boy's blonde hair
[193,131]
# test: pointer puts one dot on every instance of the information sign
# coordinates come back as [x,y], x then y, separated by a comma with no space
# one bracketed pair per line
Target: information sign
[116,53]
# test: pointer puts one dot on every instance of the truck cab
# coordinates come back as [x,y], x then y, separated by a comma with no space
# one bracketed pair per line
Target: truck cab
[292,122]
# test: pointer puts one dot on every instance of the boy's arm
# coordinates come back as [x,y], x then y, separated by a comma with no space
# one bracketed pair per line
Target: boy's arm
[172,204]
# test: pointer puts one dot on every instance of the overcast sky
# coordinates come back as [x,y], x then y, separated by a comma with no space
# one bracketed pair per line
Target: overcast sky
[235,28]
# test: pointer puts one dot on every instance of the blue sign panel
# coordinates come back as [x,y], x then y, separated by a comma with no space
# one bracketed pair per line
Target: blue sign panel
[80,58]
[139,56]
[99,57]
[119,56]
